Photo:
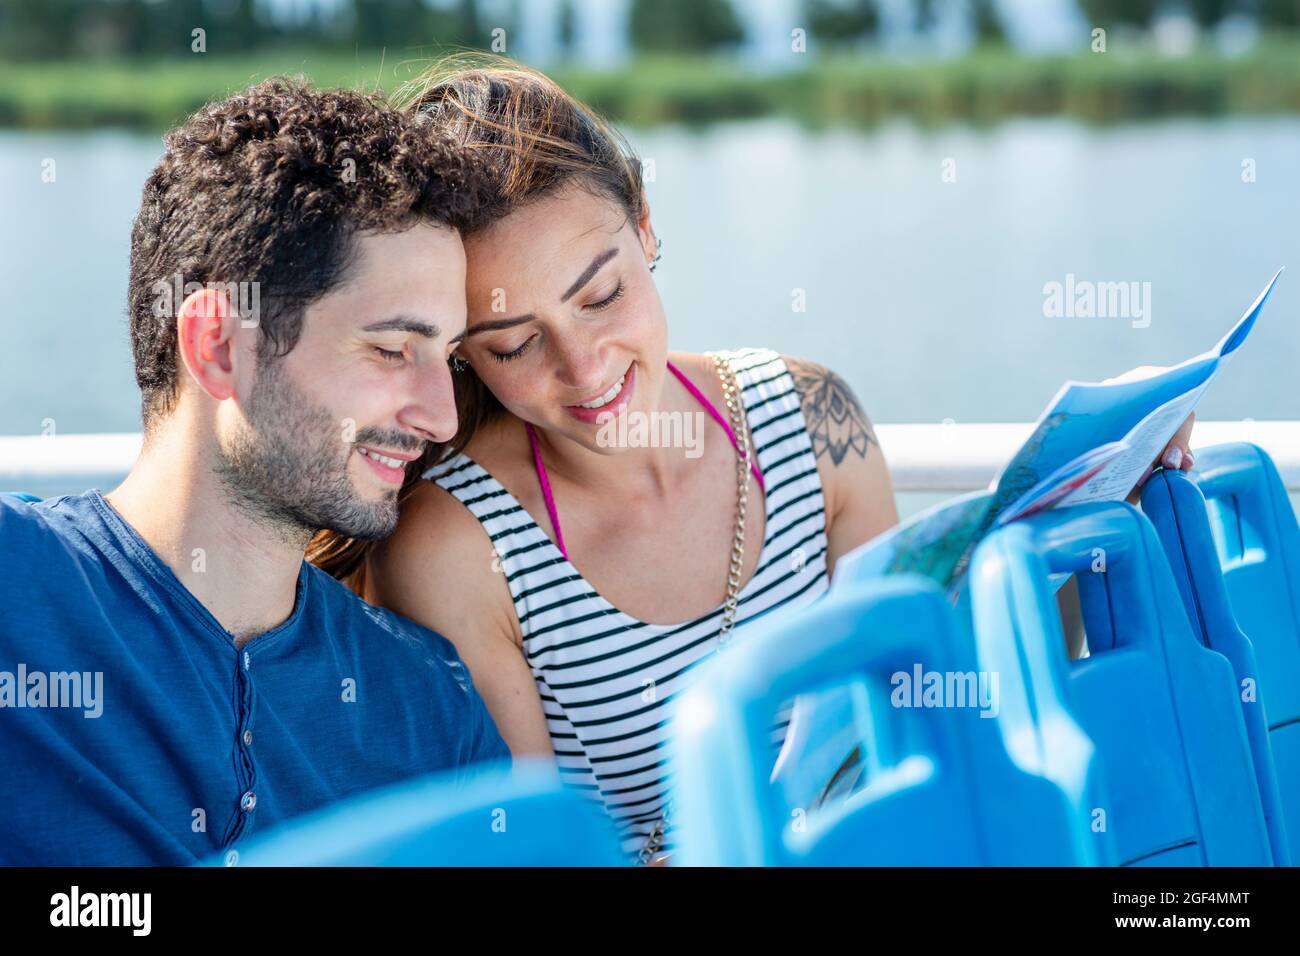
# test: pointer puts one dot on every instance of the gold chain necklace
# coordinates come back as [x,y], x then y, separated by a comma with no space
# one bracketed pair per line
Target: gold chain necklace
[735,411]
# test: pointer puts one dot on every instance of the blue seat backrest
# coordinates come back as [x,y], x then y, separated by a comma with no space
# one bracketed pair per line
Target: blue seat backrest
[499,818]
[1160,707]
[941,787]
[1233,543]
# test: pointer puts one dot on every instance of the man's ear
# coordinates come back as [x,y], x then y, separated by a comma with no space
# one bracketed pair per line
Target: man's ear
[206,328]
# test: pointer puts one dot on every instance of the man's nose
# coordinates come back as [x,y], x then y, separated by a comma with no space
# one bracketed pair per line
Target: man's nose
[432,405]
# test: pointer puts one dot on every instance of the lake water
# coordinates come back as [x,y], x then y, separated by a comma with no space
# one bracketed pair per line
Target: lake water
[920,256]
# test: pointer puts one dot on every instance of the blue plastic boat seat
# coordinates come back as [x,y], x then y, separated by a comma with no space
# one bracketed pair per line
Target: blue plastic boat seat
[1161,708]
[940,788]
[499,818]
[1233,544]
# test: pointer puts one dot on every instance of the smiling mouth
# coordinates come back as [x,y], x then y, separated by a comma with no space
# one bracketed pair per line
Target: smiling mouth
[611,393]
[389,460]
[389,467]
[608,397]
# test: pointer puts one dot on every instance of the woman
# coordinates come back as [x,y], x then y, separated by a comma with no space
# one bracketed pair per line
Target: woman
[580,572]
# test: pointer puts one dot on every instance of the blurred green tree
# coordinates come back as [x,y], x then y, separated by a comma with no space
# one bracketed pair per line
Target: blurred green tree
[407,24]
[390,22]
[31,29]
[1209,13]
[568,27]
[236,25]
[836,22]
[987,24]
[143,28]
[1279,14]
[1114,13]
[471,26]
[926,15]
[694,26]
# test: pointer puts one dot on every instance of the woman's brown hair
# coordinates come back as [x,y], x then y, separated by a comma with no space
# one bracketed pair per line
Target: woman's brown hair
[532,138]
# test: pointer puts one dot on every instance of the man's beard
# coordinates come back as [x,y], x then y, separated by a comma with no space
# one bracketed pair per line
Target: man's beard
[288,466]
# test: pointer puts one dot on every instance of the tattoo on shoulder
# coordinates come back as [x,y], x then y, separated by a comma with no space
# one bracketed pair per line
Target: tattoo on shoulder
[836,422]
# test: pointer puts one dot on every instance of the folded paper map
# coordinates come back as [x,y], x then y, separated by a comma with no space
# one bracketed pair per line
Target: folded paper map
[1094,442]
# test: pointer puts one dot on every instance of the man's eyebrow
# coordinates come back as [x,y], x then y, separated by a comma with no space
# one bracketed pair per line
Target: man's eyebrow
[588,272]
[405,323]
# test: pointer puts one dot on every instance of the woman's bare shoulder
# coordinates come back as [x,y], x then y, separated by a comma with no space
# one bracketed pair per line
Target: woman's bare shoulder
[840,431]
[439,561]
[699,369]
[435,533]
[855,478]
[501,447]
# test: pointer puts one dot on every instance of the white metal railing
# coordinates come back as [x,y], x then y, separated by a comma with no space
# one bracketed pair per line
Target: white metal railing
[963,457]
[950,457]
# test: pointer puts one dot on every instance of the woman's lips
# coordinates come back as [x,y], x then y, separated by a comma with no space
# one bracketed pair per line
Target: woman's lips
[593,416]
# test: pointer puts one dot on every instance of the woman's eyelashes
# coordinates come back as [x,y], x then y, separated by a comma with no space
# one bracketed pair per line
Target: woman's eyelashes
[600,306]
[609,300]
[389,356]
[515,353]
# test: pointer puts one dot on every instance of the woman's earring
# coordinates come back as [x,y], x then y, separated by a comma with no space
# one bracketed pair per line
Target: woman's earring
[458,364]
[659,245]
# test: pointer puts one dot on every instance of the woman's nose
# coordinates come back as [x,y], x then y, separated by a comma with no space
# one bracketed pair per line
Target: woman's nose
[580,364]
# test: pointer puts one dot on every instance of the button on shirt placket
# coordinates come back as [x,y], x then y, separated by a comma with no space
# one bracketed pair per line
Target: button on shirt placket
[245,765]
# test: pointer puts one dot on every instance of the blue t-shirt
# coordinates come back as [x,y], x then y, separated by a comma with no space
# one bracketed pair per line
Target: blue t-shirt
[132,731]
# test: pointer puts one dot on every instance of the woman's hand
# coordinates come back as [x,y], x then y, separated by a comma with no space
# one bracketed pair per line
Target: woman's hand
[1177,455]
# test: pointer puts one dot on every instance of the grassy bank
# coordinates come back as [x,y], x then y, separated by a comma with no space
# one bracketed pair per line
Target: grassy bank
[984,86]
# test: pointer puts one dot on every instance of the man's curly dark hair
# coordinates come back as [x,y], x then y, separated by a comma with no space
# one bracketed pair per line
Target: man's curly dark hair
[272,185]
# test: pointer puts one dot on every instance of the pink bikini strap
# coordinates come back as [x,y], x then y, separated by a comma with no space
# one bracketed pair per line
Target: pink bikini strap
[546,490]
[545,481]
[717,417]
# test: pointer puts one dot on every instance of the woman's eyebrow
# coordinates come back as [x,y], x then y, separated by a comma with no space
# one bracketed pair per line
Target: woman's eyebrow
[404,323]
[588,272]
[496,325]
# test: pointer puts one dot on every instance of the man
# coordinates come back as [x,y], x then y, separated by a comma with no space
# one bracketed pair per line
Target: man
[174,677]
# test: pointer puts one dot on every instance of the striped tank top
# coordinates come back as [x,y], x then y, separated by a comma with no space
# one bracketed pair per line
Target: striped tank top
[606,679]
